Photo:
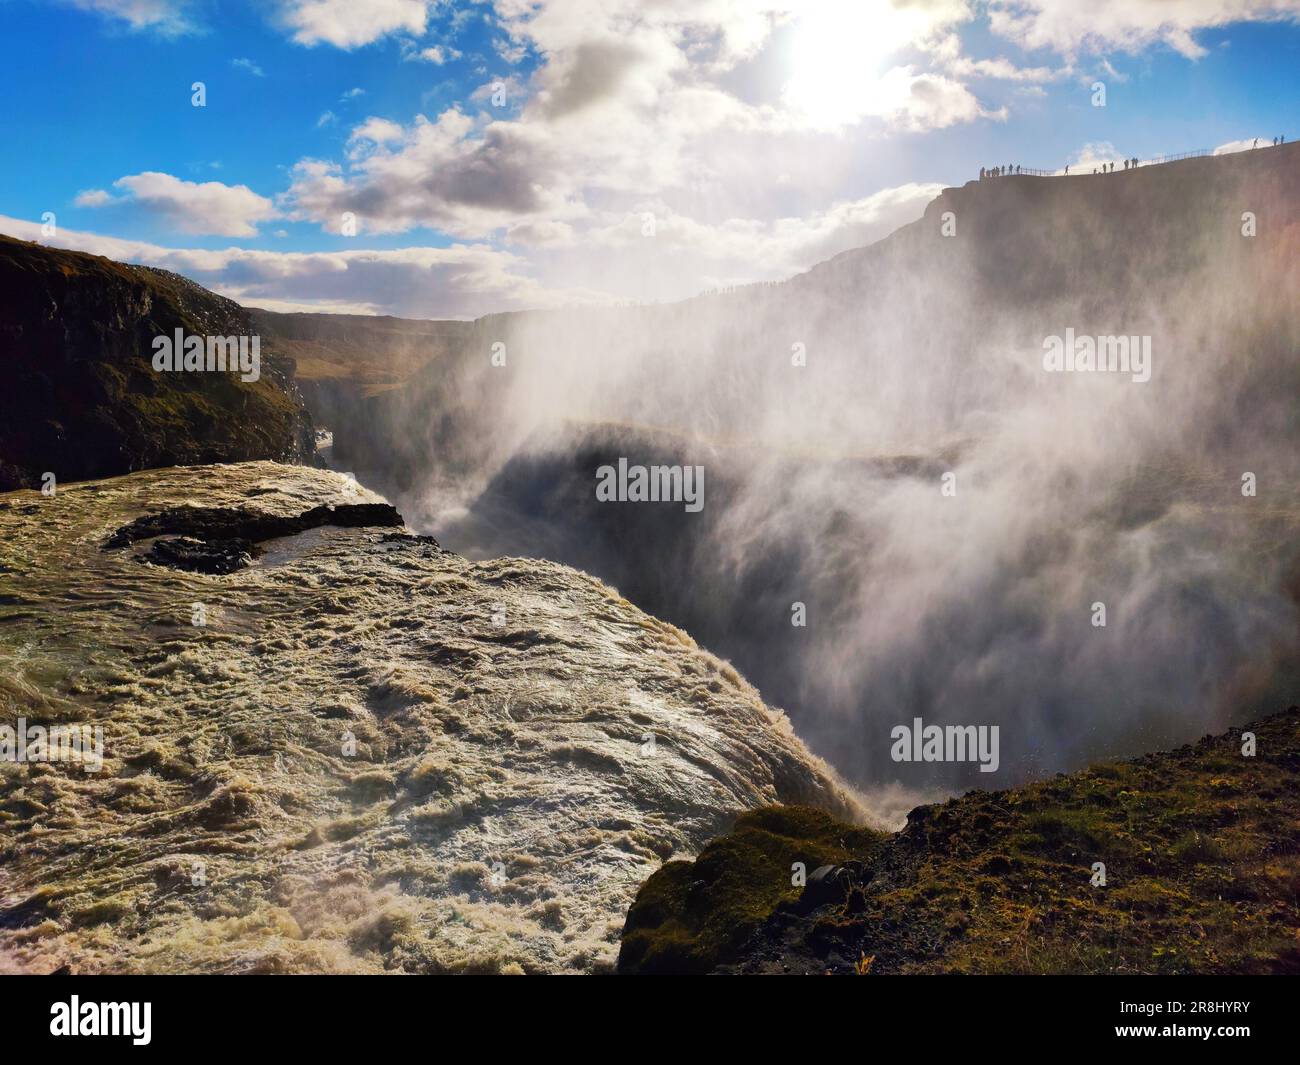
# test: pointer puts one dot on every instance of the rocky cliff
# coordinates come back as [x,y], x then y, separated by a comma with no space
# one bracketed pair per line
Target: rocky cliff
[1180,862]
[82,398]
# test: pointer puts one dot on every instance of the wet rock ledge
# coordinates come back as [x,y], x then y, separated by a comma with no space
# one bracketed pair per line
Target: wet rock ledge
[219,540]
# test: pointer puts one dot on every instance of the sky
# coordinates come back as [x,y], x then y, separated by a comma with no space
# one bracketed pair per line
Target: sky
[439,159]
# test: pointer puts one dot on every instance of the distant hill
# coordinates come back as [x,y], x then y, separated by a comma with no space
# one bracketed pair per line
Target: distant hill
[374,352]
[343,360]
[81,397]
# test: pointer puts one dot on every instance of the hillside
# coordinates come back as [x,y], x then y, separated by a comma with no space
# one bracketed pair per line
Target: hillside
[375,352]
[1201,848]
[83,399]
[332,746]
[343,360]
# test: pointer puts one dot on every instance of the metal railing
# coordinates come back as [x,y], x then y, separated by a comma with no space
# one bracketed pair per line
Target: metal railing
[1157,161]
[1174,158]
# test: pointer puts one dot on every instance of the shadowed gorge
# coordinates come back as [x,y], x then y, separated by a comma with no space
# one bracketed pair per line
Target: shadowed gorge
[922,358]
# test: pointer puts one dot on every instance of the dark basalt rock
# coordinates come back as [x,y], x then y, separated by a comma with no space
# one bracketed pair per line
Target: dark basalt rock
[201,556]
[222,540]
[241,523]
[409,538]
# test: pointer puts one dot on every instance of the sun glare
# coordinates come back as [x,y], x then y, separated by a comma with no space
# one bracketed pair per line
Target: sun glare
[838,56]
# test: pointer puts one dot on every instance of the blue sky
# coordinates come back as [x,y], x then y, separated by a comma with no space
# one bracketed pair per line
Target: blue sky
[493,155]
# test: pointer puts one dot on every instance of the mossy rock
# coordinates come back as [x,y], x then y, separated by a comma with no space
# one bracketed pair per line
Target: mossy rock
[690,917]
[1201,858]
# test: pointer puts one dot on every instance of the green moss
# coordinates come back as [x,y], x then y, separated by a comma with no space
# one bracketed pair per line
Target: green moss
[692,916]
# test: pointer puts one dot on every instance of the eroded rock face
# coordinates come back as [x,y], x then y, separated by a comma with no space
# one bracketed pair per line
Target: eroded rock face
[82,398]
[371,755]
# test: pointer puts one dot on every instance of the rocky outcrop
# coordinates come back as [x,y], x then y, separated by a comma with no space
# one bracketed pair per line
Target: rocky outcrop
[224,539]
[1179,862]
[82,398]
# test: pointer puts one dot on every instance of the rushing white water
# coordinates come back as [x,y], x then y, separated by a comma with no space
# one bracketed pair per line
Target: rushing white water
[504,799]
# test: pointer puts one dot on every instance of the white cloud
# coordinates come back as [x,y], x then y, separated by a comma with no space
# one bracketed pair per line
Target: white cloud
[1243,145]
[434,175]
[1003,70]
[436,54]
[94,198]
[1069,27]
[248,65]
[171,18]
[627,99]
[350,24]
[511,51]
[680,256]
[691,252]
[461,281]
[919,102]
[1095,154]
[191,207]
[610,258]
[377,131]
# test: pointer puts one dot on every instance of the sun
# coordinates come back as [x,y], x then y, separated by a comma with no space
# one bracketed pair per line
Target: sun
[839,50]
